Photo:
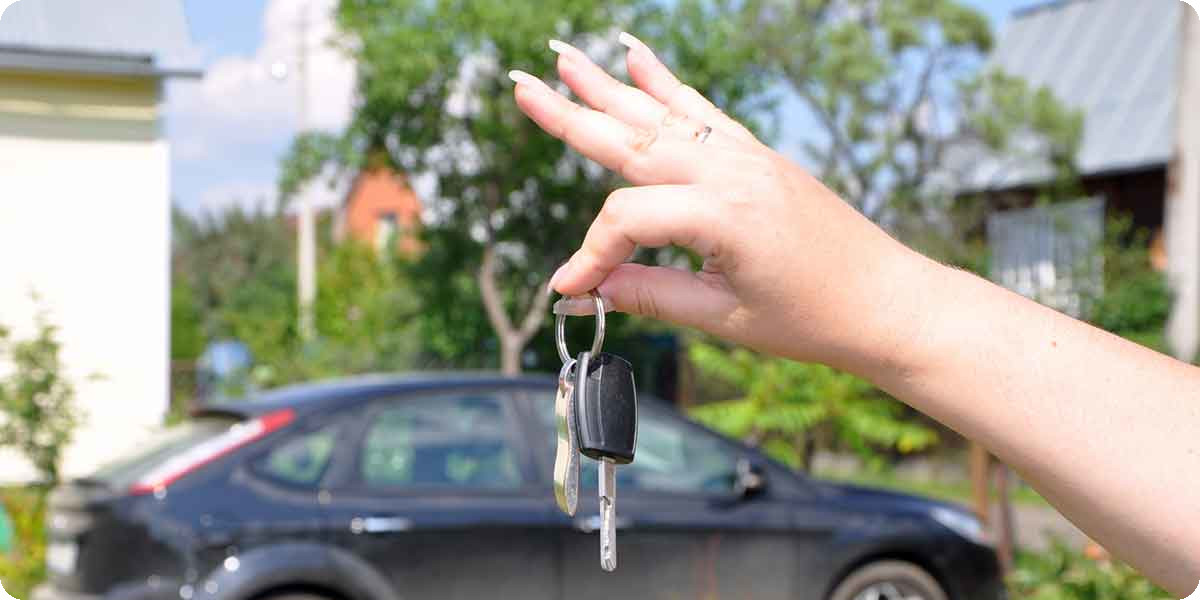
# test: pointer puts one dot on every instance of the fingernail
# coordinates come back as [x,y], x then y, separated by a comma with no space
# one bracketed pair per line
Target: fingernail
[581,306]
[629,41]
[558,275]
[526,78]
[562,48]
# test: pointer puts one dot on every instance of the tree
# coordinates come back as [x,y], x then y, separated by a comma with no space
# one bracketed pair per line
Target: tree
[902,107]
[791,409]
[511,202]
[238,268]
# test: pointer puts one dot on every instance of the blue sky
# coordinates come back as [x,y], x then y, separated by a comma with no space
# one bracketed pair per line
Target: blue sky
[229,130]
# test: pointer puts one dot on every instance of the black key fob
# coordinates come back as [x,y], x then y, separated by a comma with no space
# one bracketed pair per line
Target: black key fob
[606,410]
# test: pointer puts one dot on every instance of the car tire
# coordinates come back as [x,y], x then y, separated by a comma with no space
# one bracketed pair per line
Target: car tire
[294,596]
[889,580]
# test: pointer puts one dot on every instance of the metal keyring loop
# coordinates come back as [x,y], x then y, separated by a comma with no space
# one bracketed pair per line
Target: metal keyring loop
[560,335]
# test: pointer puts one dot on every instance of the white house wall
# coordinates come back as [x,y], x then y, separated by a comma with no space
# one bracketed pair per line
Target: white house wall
[84,223]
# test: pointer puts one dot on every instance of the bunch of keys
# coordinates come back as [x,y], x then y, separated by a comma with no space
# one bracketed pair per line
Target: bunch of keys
[595,412]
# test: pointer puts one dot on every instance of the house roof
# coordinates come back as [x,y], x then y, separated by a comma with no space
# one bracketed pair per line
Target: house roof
[147,37]
[1114,59]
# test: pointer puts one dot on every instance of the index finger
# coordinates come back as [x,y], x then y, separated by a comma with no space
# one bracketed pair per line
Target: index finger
[651,216]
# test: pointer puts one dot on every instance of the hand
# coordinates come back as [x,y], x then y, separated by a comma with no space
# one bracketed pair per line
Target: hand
[789,267]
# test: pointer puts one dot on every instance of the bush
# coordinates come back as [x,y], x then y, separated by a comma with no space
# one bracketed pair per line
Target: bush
[37,401]
[1064,574]
[792,409]
[24,565]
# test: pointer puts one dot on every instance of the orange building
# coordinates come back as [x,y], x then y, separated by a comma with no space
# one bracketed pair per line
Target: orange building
[380,206]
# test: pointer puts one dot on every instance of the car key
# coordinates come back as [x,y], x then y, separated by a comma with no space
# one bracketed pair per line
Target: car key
[606,414]
[566,454]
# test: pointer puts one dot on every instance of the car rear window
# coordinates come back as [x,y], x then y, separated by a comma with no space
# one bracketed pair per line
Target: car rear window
[126,469]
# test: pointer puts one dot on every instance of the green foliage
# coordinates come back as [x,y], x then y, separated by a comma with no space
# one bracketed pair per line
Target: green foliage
[1063,574]
[37,401]
[435,98]
[237,269]
[791,409]
[24,565]
[1136,298]
[898,93]
[1001,109]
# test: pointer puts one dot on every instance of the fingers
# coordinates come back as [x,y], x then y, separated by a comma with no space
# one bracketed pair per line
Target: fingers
[631,105]
[659,82]
[641,156]
[651,216]
[673,295]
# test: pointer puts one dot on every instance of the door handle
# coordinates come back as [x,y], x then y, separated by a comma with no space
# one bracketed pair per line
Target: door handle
[379,524]
[592,524]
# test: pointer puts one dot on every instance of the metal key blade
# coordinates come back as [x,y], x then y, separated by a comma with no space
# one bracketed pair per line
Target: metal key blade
[608,515]
[566,454]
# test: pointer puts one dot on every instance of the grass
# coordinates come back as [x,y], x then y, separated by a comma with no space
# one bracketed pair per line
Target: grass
[953,492]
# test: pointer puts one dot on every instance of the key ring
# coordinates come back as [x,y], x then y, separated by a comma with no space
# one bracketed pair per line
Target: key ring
[560,336]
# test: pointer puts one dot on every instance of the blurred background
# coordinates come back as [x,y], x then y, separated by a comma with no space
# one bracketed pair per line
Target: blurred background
[205,200]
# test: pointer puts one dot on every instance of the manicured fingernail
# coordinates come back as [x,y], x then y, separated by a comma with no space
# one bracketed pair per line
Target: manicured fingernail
[581,306]
[558,275]
[562,48]
[629,41]
[526,78]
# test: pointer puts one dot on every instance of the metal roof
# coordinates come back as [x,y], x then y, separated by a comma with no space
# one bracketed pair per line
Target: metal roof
[120,31]
[1114,59]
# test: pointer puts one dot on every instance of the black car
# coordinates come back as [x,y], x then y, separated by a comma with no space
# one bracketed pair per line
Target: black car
[438,486]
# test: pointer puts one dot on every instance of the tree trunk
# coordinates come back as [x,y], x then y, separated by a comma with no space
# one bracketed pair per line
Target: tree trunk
[512,338]
[510,355]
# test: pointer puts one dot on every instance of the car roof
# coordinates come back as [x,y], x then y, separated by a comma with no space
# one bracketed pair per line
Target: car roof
[320,394]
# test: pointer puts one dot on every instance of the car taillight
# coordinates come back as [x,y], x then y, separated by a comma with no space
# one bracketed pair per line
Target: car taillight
[209,450]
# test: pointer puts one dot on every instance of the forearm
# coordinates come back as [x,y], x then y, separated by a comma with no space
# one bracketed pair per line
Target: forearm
[1061,401]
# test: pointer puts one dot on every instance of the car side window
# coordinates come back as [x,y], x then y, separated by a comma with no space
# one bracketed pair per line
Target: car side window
[671,457]
[300,459]
[458,441]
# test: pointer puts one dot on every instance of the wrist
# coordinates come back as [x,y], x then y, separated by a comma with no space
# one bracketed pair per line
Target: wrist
[901,332]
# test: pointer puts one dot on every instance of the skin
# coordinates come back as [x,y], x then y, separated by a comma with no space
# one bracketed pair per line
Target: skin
[1106,430]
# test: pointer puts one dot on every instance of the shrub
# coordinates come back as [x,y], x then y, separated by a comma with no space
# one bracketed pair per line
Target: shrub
[24,565]
[37,401]
[1064,574]
[791,409]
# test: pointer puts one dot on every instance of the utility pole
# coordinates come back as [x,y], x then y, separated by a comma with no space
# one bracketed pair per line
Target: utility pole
[307,247]
[1183,197]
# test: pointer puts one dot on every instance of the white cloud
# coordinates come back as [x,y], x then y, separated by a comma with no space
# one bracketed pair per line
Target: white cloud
[239,110]
[4,4]
[239,90]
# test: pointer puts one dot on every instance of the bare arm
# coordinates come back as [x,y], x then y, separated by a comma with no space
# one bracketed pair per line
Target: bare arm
[1105,429]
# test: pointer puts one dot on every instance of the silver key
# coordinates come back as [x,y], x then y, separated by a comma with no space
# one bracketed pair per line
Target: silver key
[607,484]
[608,514]
[566,455]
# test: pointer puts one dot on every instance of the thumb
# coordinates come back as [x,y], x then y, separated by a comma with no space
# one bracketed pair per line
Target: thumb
[674,295]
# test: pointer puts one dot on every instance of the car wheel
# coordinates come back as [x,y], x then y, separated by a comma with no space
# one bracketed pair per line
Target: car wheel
[294,596]
[889,580]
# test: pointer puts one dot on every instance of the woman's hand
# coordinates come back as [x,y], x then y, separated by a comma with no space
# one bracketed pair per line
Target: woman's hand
[789,267]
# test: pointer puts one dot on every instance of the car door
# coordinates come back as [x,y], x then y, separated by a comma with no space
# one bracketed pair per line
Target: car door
[439,495]
[683,530]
